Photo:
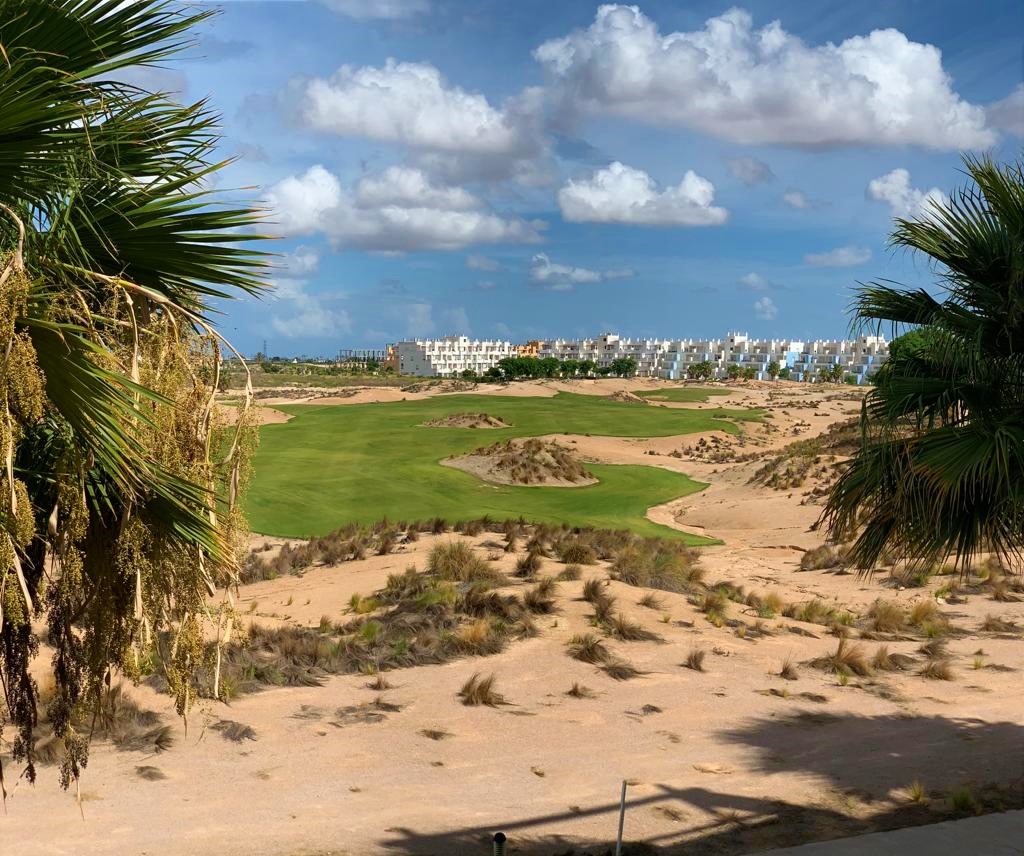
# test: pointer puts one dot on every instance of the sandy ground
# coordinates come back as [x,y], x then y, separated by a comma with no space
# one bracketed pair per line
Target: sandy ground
[735,757]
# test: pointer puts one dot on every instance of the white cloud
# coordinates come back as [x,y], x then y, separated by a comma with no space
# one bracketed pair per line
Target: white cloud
[750,171]
[301,202]
[904,200]
[754,281]
[1008,114]
[363,10]
[796,199]
[302,261]
[419,319]
[622,194]
[765,85]
[560,277]
[404,187]
[477,262]
[502,329]
[839,257]
[765,309]
[398,211]
[303,314]
[456,321]
[410,103]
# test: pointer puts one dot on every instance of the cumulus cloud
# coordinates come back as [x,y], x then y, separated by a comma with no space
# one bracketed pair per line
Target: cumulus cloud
[1008,114]
[796,199]
[477,262]
[404,187]
[623,194]
[839,257]
[399,210]
[561,277]
[905,201]
[757,86]
[765,309]
[410,103]
[300,313]
[754,281]
[751,171]
[389,10]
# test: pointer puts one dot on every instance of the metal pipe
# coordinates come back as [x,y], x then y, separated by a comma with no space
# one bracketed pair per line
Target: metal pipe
[622,819]
[499,843]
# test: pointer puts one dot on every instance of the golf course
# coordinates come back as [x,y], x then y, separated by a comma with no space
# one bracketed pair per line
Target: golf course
[334,464]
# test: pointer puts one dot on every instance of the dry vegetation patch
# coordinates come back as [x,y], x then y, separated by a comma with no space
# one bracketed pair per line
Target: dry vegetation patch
[466,420]
[529,461]
[817,460]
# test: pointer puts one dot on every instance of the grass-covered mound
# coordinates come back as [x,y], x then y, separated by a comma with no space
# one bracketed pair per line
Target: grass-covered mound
[363,462]
[530,461]
[466,420]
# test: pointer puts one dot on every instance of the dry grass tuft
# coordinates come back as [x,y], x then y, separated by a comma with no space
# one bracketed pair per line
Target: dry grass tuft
[993,624]
[847,660]
[379,683]
[455,561]
[651,601]
[588,648]
[576,553]
[540,598]
[435,733]
[150,774]
[923,612]
[819,558]
[621,670]
[656,564]
[594,589]
[622,628]
[695,659]
[603,607]
[528,565]
[578,690]
[937,668]
[570,573]
[789,670]
[480,691]
[887,617]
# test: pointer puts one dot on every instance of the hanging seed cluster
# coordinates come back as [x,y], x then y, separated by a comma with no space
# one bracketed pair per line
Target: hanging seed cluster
[116,590]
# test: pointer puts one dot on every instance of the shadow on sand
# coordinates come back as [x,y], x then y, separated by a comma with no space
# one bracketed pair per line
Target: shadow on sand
[859,762]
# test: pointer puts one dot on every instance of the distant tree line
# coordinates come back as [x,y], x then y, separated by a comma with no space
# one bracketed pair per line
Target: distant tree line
[532,368]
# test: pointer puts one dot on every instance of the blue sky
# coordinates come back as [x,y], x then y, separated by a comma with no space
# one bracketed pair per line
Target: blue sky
[530,169]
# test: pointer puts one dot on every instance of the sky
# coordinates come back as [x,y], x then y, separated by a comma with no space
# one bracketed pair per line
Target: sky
[530,169]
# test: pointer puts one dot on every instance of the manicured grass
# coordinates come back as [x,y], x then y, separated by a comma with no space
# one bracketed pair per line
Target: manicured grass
[683,393]
[332,465]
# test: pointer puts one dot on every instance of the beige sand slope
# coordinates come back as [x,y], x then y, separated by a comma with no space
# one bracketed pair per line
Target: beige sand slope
[735,756]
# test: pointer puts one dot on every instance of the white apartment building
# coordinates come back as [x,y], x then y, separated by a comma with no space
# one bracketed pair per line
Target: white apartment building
[665,358]
[672,358]
[450,355]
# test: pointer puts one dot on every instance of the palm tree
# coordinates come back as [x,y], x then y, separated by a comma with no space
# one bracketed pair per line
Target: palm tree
[773,369]
[941,470]
[118,480]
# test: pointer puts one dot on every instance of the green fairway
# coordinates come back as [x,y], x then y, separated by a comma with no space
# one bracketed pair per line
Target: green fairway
[683,393]
[334,464]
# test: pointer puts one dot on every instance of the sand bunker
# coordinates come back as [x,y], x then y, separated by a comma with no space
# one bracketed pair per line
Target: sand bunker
[467,420]
[526,462]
